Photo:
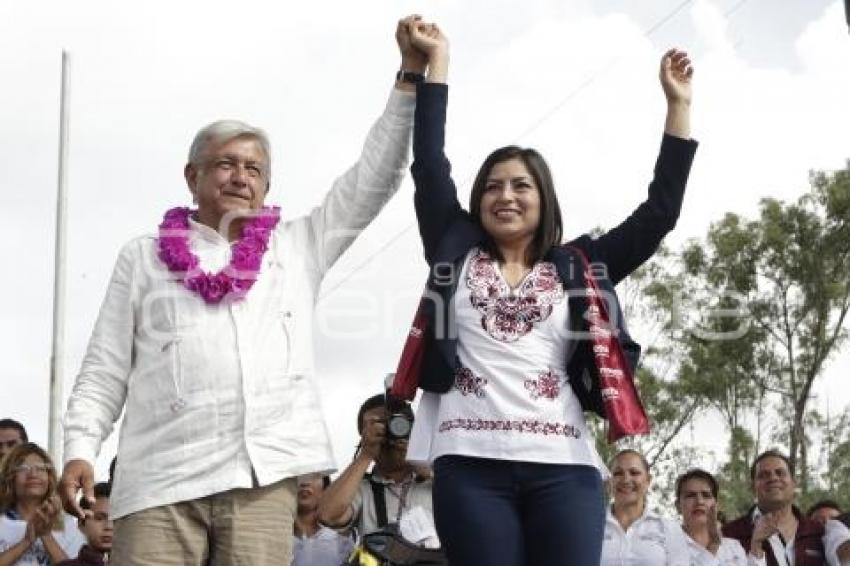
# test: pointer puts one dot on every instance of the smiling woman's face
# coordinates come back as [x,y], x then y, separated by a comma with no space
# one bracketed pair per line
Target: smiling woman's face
[32,478]
[233,176]
[629,480]
[510,204]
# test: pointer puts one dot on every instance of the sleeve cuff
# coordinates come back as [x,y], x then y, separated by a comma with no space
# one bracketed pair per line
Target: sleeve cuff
[675,142]
[677,155]
[401,104]
[432,89]
[80,449]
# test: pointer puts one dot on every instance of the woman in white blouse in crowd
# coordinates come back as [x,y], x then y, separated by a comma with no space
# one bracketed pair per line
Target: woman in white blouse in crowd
[634,535]
[696,500]
[33,529]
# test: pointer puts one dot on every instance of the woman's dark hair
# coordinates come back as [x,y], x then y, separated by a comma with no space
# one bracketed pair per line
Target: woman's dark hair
[550,229]
[697,474]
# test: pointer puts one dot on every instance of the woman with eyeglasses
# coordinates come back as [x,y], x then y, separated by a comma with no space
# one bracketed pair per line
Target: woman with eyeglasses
[33,529]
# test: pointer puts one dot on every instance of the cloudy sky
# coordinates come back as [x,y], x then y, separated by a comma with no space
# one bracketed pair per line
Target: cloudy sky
[576,79]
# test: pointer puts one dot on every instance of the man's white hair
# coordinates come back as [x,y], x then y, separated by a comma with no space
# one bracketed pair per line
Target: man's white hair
[223,131]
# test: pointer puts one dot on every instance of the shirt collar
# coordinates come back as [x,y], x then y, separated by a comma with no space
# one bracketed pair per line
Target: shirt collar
[758,513]
[206,233]
[378,478]
[647,514]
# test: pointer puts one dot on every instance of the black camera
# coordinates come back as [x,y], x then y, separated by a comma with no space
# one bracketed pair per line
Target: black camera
[399,414]
[399,425]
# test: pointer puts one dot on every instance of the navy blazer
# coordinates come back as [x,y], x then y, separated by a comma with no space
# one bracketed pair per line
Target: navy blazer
[448,233]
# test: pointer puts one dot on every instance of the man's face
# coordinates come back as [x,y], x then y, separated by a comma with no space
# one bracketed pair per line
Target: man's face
[773,484]
[232,176]
[98,527]
[310,489]
[9,438]
[393,454]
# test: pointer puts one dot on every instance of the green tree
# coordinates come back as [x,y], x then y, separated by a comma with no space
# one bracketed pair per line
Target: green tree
[788,271]
[834,458]
[736,495]
[717,356]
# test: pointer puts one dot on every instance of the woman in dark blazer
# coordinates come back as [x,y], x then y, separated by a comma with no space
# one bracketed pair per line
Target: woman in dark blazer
[518,337]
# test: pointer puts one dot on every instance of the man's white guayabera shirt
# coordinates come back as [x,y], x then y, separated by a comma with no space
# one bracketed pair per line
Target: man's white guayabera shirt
[214,393]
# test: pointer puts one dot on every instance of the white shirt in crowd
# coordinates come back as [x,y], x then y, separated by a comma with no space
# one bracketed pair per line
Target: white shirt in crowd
[216,394]
[729,553]
[651,540]
[12,531]
[325,548]
[511,399]
[777,546]
[401,498]
[837,534]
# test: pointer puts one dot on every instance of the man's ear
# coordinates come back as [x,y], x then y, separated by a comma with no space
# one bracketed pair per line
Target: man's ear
[190,173]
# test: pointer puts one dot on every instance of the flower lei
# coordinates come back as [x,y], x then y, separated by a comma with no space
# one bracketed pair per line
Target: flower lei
[246,255]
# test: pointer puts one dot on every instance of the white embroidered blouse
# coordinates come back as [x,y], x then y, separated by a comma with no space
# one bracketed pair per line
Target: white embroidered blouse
[511,399]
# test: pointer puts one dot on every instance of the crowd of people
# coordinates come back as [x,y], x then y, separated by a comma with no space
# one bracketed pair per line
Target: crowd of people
[204,344]
[380,488]
[33,528]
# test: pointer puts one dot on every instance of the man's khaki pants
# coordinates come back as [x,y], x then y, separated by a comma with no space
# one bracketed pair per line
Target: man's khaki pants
[241,527]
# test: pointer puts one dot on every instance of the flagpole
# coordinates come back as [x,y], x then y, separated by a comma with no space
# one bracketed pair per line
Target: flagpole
[54,437]
[847,12]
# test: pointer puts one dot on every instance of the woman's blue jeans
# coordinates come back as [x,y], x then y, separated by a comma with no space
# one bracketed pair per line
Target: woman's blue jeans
[504,513]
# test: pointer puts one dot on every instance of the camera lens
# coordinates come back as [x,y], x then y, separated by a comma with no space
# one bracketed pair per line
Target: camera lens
[398,426]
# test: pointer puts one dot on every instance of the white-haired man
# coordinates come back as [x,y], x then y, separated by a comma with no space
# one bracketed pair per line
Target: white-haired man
[204,340]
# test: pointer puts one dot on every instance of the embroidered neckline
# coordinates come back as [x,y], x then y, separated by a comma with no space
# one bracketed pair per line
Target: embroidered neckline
[509,314]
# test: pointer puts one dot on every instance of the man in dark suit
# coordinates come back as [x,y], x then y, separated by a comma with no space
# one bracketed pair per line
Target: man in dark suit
[774,527]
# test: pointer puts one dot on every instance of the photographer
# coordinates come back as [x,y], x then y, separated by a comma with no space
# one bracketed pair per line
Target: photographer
[353,500]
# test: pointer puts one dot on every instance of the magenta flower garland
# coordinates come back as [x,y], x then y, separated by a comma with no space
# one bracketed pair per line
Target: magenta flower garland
[246,255]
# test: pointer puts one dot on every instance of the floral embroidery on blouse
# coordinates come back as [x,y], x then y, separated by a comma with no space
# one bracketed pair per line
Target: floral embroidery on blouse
[508,316]
[468,383]
[547,385]
[524,426]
